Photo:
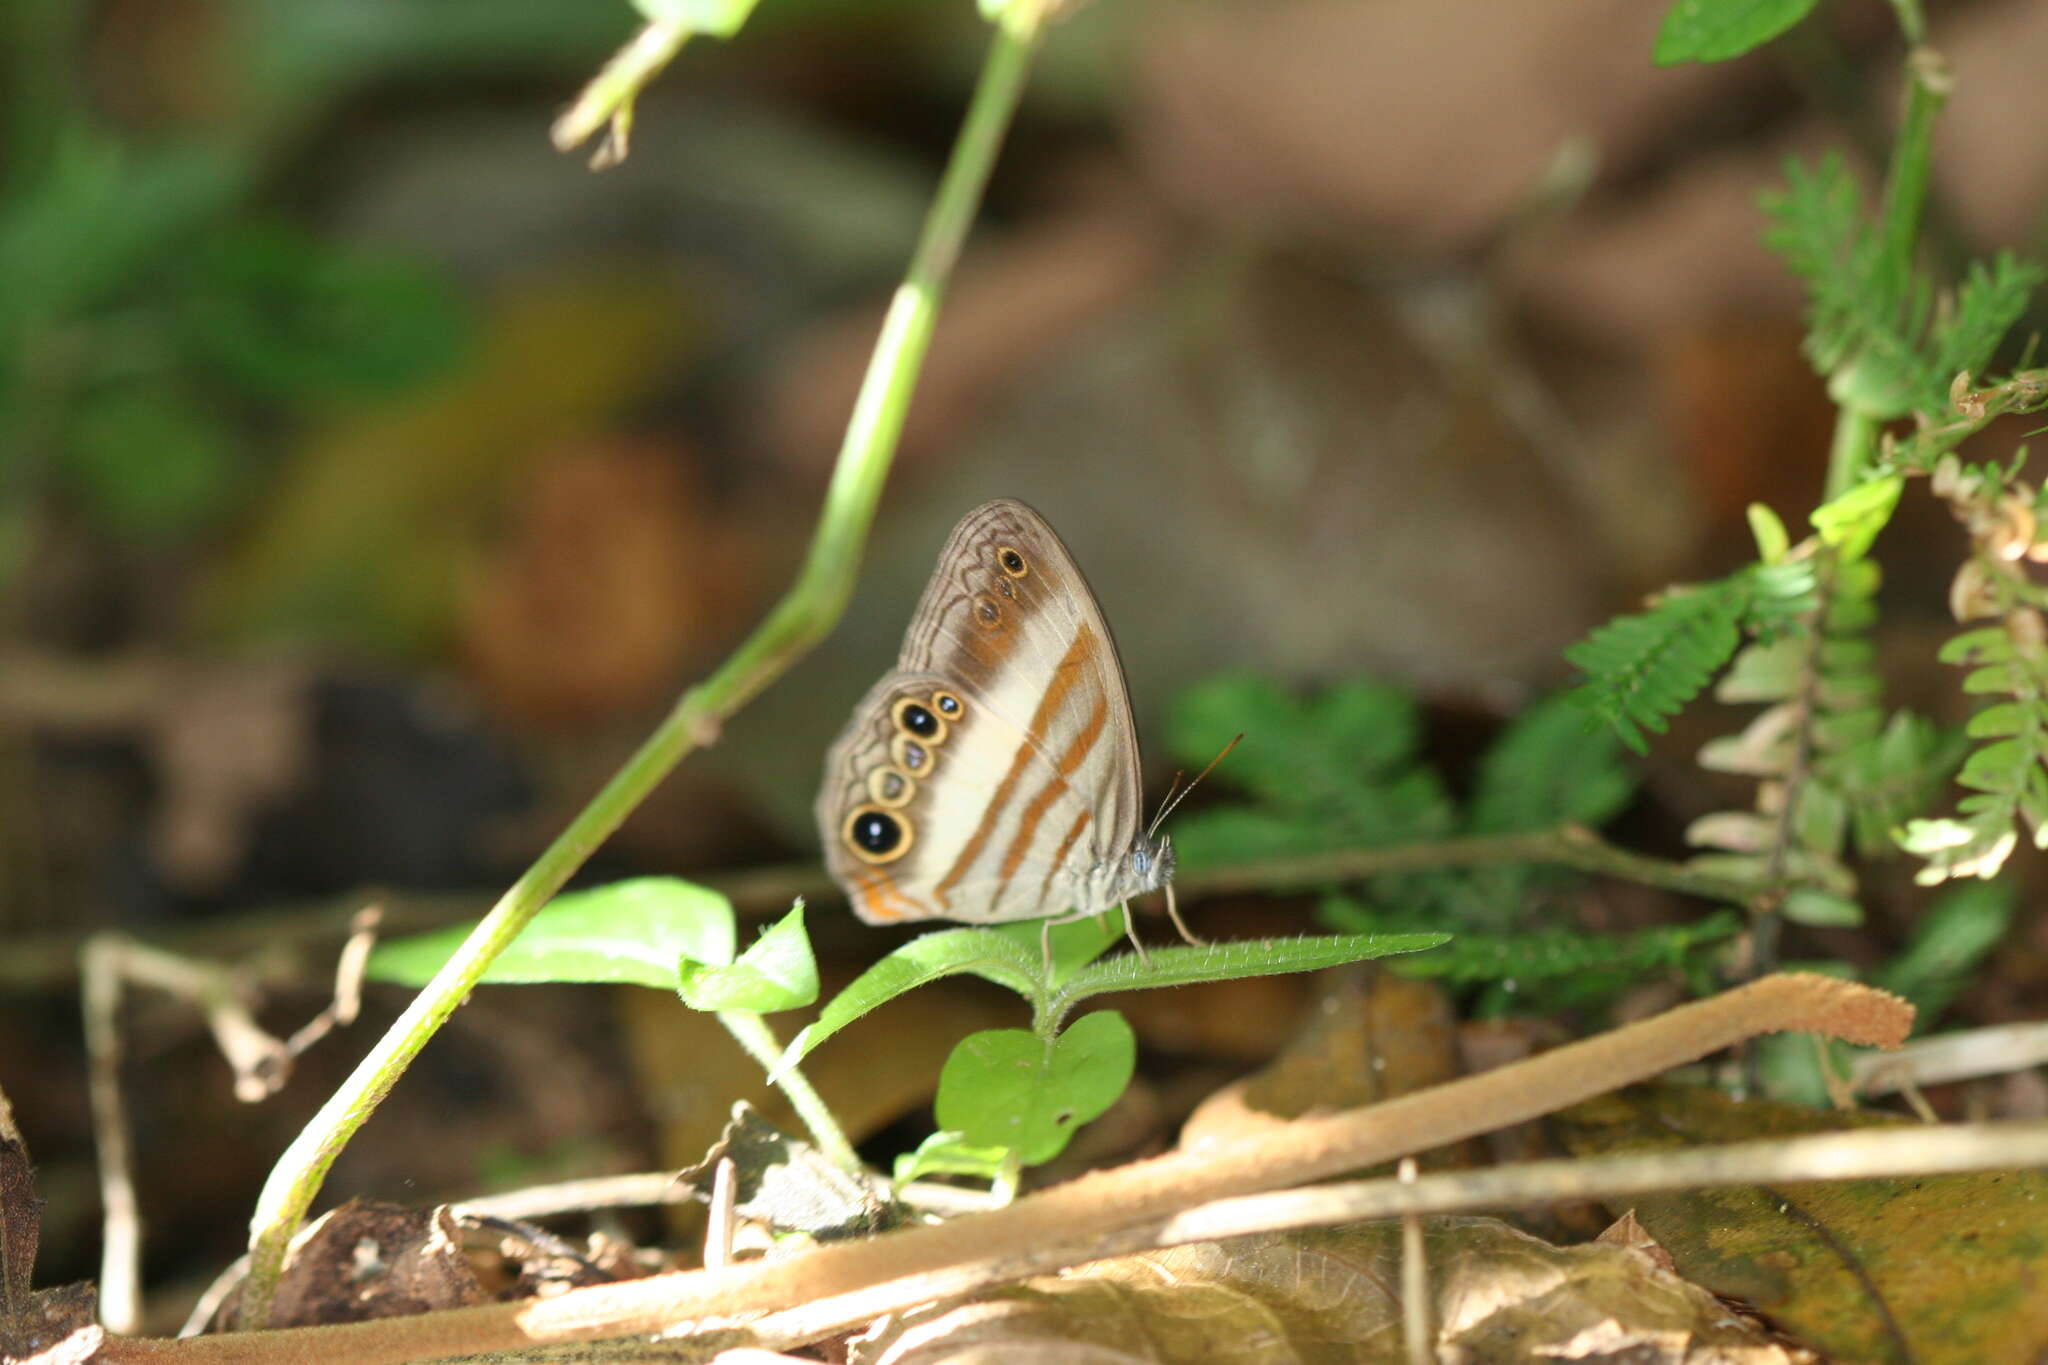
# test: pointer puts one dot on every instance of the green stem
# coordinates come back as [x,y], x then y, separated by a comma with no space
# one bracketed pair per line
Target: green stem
[1911,21]
[1852,451]
[753,1034]
[811,607]
[1905,195]
[609,96]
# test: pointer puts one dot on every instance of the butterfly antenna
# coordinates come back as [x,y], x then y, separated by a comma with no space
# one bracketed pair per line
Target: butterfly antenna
[1172,800]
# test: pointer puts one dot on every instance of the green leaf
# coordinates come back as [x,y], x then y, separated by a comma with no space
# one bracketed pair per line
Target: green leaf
[630,933]
[1075,944]
[1551,954]
[1011,1088]
[1230,961]
[1852,521]
[1640,670]
[1298,754]
[293,318]
[985,953]
[776,972]
[718,18]
[1547,770]
[1715,30]
[1769,532]
[946,1153]
[1950,942]
[1809,905]
[151,463]
[1992,298]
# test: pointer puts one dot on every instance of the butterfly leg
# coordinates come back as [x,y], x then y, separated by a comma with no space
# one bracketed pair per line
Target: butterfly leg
[1173,913]
[1131,933]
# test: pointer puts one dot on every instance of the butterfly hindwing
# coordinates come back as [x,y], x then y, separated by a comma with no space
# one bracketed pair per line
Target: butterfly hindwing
[986,777]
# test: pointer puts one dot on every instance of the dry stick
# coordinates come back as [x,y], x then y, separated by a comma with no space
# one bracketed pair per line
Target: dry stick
[1415,1300]
[1100,1214]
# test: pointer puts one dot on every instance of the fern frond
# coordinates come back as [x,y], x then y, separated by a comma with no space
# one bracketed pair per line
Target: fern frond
[2007,775]
[1641,669]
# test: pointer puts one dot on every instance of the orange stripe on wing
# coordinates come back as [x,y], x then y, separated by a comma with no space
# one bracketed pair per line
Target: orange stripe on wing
[1064,679]
[1059,857]
[1076,752]
[877,898]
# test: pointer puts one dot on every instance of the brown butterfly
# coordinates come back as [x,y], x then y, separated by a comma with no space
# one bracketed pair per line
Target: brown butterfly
[993,776]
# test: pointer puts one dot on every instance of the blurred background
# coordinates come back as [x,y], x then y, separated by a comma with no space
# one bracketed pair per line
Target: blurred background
[372,475]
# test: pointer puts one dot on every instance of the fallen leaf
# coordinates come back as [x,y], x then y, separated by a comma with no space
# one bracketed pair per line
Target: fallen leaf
[370,1260]
[1941,1270]
[1332,1295]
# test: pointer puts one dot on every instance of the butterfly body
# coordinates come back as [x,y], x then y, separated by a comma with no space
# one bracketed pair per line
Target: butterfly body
[993,775]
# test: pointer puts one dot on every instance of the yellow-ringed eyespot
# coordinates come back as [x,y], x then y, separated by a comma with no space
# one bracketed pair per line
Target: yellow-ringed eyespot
[948,705]
[910,756]
[987,614]
[913,717]
[1011,562]
[876,836]
[891,787]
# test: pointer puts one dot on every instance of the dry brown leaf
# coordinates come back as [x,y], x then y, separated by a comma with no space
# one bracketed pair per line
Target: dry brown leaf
[1943,1270]
[370,1260]
[1331,1295]
[608,578]
[1368,1036]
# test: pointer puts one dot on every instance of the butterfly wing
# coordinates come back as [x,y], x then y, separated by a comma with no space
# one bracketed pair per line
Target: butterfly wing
[1029,781]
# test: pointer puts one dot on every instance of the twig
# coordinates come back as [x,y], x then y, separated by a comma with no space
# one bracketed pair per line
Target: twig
[260,1061]
[1115,1211]
[1416,1329]
[803,616]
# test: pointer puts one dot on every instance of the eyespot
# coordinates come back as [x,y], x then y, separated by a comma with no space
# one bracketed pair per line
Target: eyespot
[875,835]
[891,787]
[988,613]
[948,705]
[1011,562]
[909,754]
[915,718]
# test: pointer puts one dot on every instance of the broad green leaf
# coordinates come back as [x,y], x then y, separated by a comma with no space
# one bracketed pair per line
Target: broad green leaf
[1011,1088]
[1074,944]
[1229,961]
[945,1153]
[628,933]
[1851,522]
[1715,30]
[949,952]
[776,972]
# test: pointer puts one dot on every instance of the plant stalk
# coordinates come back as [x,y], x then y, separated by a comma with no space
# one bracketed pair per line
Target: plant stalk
[751,1031]
[810,609]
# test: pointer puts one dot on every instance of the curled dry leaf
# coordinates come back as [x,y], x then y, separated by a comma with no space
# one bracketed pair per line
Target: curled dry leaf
[1332,1295]
[369,1260]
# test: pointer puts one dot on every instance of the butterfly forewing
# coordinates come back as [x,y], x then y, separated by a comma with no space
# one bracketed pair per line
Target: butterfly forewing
[987,776]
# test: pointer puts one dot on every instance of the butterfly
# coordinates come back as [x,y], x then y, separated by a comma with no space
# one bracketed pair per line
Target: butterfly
[993,775]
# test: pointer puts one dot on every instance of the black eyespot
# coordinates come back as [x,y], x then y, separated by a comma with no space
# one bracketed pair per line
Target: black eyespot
[876,835]
[918,721]
[876,831]
[948,705]
[1012,562]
